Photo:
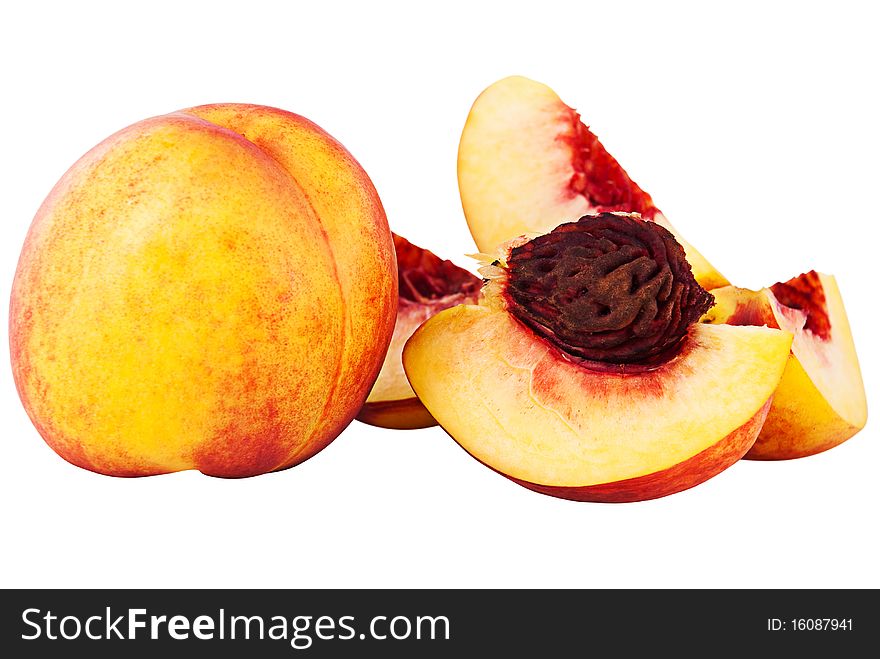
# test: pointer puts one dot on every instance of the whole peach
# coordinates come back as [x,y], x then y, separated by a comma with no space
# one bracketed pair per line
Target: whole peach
[213,289]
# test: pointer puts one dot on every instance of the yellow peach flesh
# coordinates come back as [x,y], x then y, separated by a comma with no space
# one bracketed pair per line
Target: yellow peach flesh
[820,401]
[524,409]
[515,165]
[427,285]
[392,384]
[392,403]
[498,175]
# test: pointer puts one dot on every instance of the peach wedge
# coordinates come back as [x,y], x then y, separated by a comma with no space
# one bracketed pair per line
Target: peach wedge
[583,373]
[427,284]
[820,401]
[526,163]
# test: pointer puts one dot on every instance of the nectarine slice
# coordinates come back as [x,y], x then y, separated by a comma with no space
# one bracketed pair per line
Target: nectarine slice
[582,374]
[427,284]
[820,401]
[527,163]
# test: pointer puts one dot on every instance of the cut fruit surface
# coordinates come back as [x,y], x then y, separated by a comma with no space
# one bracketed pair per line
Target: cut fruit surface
[427,284]
[521,407]
[582,372]
[527,163]
[820,401]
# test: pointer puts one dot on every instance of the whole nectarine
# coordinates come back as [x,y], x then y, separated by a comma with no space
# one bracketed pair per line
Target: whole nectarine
[213,289]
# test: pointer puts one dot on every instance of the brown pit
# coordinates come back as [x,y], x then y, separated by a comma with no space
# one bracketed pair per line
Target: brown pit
[424,277]
[609,288]
[805,293]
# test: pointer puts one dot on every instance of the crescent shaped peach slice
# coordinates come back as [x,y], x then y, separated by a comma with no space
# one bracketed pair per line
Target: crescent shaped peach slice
[527,163]
[531,413]
[820,401]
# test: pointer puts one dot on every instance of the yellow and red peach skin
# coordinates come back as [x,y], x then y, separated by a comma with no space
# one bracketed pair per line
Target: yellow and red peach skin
[820,401]
[188,299]
[682,476]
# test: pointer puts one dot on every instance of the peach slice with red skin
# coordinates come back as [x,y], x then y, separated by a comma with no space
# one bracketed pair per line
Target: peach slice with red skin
[503,380]
[427,284]
[527,163]
[820,401]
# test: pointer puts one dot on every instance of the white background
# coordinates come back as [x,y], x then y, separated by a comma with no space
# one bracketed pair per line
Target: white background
[755,129]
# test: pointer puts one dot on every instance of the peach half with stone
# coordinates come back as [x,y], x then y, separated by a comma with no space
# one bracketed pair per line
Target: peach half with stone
[583,372]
